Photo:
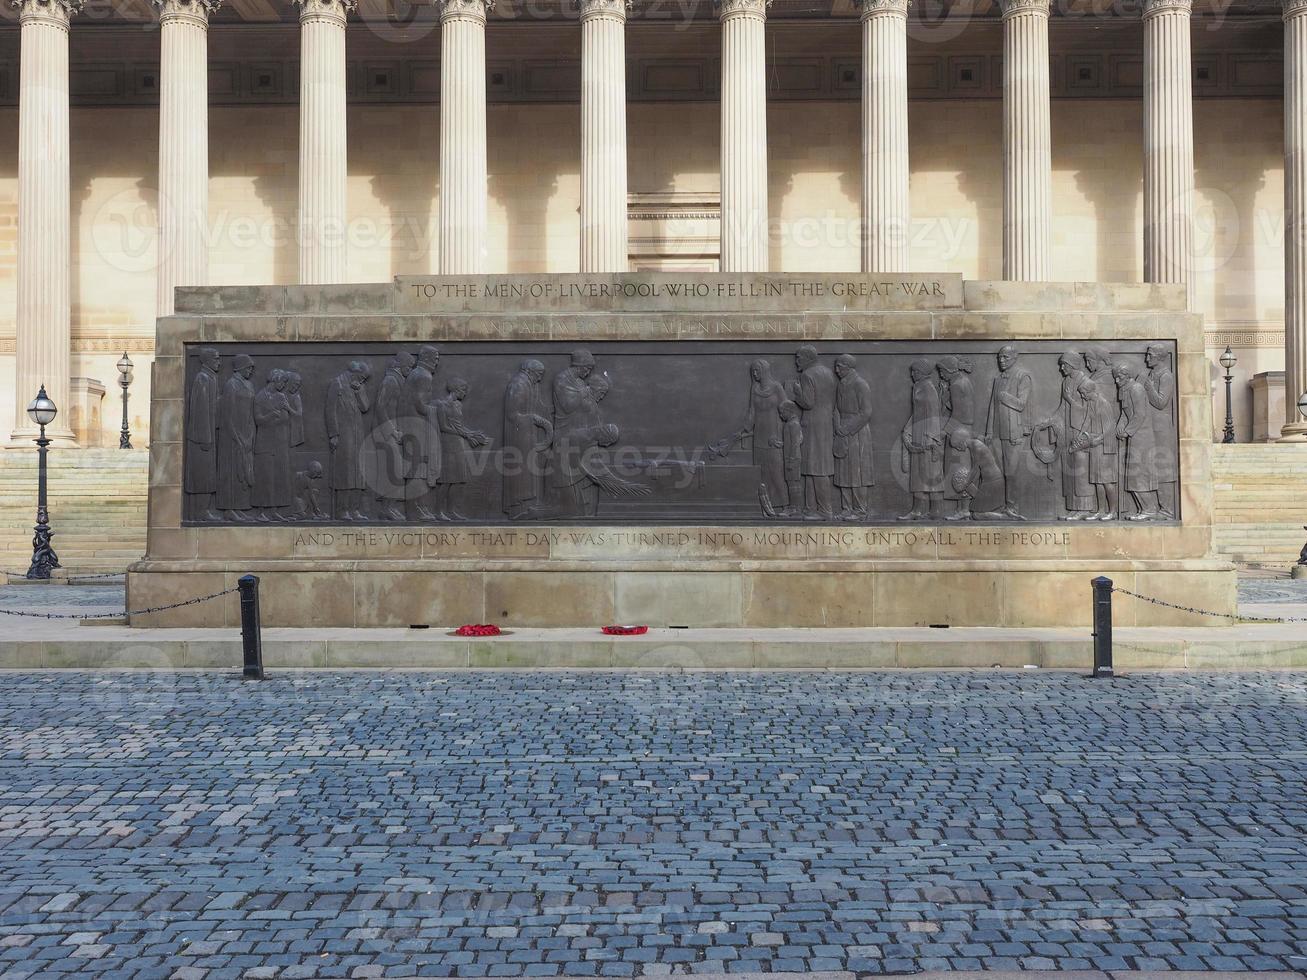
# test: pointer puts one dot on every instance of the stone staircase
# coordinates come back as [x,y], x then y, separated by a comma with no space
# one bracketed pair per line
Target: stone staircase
[1261,502]
[97,503]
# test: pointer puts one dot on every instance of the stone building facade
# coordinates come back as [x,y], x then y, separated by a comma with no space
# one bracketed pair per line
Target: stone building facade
[258,143]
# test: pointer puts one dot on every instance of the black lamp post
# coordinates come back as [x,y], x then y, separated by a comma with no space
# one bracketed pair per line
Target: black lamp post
[1228,361]
[125,380]
[42,411]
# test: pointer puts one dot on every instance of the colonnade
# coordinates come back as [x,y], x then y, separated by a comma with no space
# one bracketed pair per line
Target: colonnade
[43,334]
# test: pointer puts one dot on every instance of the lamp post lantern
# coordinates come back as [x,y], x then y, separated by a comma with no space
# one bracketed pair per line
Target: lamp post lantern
[42,411]
[1228,361]
[125,380]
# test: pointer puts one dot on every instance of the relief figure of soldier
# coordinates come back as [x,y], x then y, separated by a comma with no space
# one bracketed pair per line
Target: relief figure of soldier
[1072,442]
[272,490]
[308,493]
[959,396]
[1104,457]
[763,427]
[1095,435]
[1135,430]
[580,470]
[457,440]
[344,409]
[854,472]
[975,471]
[1009,424]
[814,393]
[387,457]
[201,477]
[923,443]
[295,398]
[236,441]
[1098,362]
[528,434]
[578,427]
[792,456]
[1159,385]
[421,435]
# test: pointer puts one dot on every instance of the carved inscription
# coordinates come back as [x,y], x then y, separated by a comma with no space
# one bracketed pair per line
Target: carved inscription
[553,289]
[708,543]
[755,294]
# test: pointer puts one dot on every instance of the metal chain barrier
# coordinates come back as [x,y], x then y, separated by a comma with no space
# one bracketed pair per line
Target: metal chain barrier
[120,615]
[251,621]
[72,579]
[1204,612]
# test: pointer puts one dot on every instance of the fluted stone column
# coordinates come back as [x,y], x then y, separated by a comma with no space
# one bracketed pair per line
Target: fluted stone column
[462,136]
[1295,216]
[744,135]
[42,342]
[183,146]
[323,153]
[1168,142]
[603,136]
[1027,143]
[886,214]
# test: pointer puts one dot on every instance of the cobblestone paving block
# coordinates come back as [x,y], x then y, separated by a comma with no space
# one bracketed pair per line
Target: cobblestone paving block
[361,824]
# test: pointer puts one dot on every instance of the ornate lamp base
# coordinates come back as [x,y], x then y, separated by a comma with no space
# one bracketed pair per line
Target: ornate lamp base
[44,559]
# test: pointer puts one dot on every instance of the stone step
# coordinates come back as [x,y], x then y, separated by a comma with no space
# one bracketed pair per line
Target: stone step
[98,507]
[1269,544]
[1243,647]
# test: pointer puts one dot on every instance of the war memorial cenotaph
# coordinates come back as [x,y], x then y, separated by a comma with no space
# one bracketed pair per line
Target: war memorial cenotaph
[701,450]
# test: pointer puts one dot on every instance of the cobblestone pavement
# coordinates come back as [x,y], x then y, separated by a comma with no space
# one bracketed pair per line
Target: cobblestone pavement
[1272,590]
[618,824]
[81,599]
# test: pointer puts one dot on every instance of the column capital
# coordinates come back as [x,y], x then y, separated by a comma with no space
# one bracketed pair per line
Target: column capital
[54,12]
[1294,8]
[190,11]
[726,9]
[327,11]
[870,8]
[473,10]
[1154,7]
[1014,8]
[614,9]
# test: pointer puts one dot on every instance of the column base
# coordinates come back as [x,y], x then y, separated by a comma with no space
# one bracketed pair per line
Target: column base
[25,438]
[1297,432]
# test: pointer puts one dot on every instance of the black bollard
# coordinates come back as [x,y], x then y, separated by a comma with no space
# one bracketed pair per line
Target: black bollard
[251,628]
[1102,627]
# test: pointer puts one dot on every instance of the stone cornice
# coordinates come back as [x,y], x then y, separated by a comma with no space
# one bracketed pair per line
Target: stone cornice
[191,11]
[871,8]
[613,9]
[1154,7]
[54,12]
[727,9]
[1014,8]
[474,10]
[330,11]
[1294,8]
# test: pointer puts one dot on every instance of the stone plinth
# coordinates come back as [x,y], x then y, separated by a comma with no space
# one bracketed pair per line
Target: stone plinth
[750,571]
[1268,406]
